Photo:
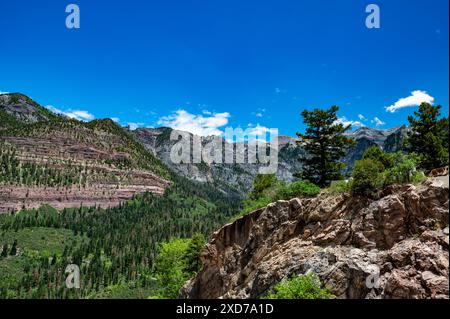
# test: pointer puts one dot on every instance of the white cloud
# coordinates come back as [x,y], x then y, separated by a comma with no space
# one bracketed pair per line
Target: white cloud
[344,121]
[80,115]
[259,112]
[280,91]
[73,114]
[254,133]
[377,121]
[196,124]
[261,131]
[416,98]
[115,119]
[1,92]
[361,117]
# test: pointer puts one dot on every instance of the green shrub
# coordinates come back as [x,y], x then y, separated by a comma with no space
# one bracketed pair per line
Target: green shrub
[366,177]
[269,190]
[378,169]
[301,287]
[418,177]
[177,260]
[192,253]
[403,170]
[170,267]
[383,159]
[262,183]
[300,188]
[339,187]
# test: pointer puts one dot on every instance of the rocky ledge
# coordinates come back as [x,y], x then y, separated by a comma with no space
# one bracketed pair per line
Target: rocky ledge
[13,199]
[394,247]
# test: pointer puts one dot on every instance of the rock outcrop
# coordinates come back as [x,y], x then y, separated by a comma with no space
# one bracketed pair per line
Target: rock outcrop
[16,198]
[394,247]
[22,108]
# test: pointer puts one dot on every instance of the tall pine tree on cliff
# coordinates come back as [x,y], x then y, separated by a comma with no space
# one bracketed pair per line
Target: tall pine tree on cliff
[429,136]
[325,145]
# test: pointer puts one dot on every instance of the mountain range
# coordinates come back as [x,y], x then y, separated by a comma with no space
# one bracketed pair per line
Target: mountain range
[110,199]
[49,158]
[241,176]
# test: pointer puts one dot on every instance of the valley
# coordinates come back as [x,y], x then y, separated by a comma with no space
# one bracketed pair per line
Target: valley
[110,200]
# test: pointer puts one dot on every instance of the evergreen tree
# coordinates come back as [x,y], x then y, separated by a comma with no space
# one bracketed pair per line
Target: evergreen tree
[381,158]
[5,250]
[325,145]
[429,136]
[13,251]
[193,262]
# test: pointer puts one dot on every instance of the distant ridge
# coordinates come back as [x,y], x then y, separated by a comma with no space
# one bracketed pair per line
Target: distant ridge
[17,109]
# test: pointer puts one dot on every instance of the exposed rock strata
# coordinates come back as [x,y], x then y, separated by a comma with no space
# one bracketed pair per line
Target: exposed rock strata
[104,196]
[106,186]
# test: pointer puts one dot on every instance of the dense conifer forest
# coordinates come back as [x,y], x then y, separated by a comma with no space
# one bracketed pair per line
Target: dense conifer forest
[115,248]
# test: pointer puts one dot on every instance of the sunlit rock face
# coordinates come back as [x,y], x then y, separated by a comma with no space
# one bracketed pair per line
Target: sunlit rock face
[241,176]
[402,239]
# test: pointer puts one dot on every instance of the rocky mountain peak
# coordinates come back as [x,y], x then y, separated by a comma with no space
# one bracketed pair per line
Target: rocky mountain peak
[377,136]
[23,108]
[157,140]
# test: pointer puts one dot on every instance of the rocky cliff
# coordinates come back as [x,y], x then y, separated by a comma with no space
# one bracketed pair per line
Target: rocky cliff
[238,176]
[393,247]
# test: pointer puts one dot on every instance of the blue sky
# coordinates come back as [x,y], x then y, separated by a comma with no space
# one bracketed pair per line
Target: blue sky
[210,64]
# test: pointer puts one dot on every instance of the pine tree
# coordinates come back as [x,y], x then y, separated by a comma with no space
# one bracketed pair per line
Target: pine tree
[13,251]
[192,255]
[5,250]
[429,137]
[325,144]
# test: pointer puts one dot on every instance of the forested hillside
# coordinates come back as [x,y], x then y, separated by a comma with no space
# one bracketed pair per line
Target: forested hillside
[115,247]
[50,158]
[117,204]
